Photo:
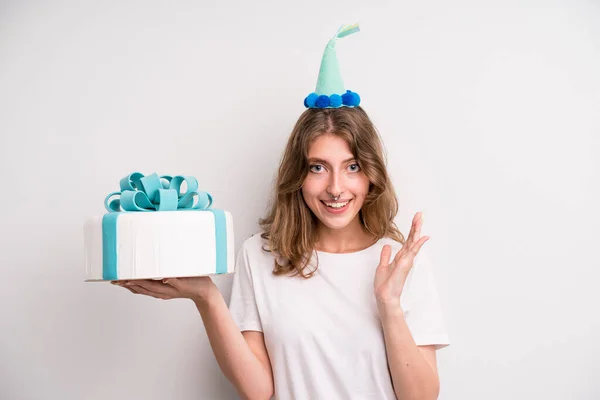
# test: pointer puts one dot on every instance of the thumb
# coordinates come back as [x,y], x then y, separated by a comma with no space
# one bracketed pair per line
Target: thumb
[386,254]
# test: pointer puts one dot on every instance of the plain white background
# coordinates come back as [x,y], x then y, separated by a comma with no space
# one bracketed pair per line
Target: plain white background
[489,111]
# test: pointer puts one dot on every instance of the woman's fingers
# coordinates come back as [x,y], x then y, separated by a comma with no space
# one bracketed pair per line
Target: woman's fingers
[386,253]
[398,256]
[417,247]
[415,229]
[415,233]
[132,290]
[122,284]
[153,286]
[173,282]
[410,253]
[413,243]
[149,287]
[418,224]
[141,290]
[189,287]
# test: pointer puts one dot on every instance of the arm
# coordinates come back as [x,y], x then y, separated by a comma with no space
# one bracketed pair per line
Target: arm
[242,356]
[413,368]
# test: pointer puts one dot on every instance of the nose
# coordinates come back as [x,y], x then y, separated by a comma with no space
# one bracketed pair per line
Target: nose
[336,183]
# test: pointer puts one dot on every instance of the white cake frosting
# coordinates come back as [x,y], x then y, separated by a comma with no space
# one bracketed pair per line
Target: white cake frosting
[159,245]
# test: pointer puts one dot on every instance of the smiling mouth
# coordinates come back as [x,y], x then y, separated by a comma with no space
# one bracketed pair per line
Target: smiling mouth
[336,205]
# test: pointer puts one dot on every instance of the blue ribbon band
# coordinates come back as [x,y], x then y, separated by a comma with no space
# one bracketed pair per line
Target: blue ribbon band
[109,246]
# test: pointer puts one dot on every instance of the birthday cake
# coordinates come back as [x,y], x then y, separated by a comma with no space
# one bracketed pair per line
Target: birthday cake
[158,227]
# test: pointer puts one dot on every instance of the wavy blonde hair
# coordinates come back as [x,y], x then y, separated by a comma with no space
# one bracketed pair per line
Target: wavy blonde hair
[289,227]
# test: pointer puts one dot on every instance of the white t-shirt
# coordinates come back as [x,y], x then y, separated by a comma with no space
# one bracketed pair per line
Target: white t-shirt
[323,334]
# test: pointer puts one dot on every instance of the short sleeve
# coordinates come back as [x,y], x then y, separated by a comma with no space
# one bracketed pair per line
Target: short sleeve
[242,303]
[423,311]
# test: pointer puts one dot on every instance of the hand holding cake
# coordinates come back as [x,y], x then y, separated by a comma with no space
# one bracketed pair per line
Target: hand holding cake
[198,288]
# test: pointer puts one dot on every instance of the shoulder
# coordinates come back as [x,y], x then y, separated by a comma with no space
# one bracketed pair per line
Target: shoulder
[254,245]
[253,252]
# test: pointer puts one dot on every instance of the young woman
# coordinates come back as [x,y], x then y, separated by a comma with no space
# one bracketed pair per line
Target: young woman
[319,308]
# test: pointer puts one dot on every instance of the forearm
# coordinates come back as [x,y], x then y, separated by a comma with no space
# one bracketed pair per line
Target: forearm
[412,376]
[234,356]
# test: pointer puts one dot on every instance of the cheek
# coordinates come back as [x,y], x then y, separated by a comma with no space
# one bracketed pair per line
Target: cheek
[360,186]
[311,188]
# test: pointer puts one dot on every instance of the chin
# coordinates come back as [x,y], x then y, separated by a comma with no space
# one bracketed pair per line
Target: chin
[334,225]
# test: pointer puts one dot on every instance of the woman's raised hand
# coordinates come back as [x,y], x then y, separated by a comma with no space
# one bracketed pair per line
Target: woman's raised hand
[390,278]
[196,288]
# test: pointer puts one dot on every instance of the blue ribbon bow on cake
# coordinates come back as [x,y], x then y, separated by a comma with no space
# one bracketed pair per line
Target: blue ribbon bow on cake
[154,193]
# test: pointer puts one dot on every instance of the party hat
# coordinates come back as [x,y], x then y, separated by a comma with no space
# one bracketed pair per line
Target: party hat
[330,91]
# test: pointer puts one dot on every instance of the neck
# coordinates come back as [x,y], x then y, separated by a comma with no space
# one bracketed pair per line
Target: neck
[351,238]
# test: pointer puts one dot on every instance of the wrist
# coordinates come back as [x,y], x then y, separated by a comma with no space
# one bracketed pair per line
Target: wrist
[206,295]
[389,308]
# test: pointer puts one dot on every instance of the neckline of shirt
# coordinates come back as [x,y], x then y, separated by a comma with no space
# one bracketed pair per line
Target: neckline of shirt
[321,253]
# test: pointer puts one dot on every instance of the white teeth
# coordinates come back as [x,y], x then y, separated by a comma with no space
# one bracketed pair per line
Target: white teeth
[336,205]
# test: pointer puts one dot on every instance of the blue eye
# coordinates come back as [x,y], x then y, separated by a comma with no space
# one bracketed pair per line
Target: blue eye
[316,168]
[354,167]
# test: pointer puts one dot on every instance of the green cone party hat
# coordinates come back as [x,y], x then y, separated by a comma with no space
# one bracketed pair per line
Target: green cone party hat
[330,91]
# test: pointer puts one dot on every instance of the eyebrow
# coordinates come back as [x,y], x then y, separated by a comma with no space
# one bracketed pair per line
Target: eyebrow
[315,159]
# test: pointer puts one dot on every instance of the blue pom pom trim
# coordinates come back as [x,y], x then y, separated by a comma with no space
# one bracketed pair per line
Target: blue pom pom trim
[348,99]
[309,101]
[322,101]
[335,101]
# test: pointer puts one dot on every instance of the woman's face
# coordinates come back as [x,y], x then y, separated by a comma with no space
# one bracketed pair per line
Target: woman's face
[334,171]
